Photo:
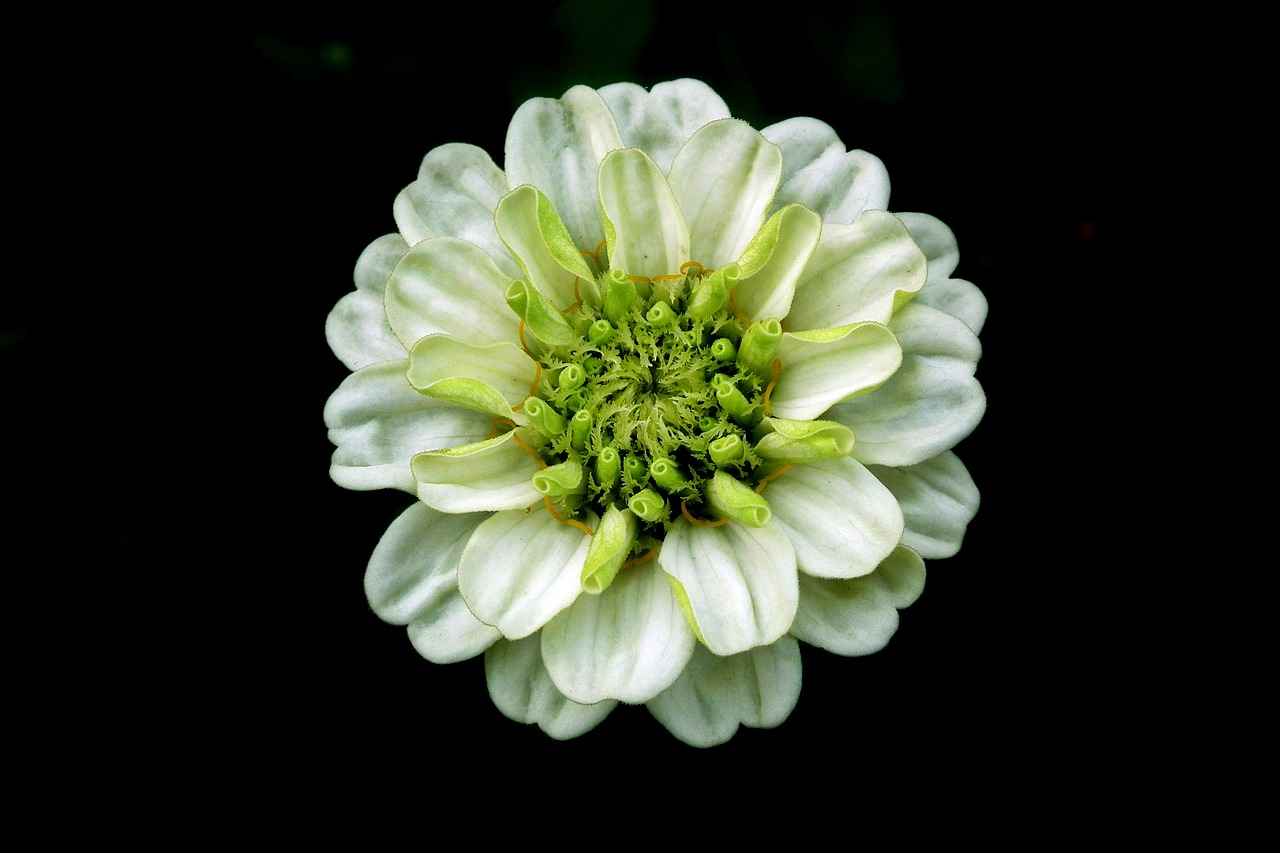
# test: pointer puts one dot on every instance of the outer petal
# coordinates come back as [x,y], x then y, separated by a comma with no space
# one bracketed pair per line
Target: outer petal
[446,286]
[739,583]
[928,406]
[630,642]
[412,579]
[960,299]
[357,328]
[521,569]
[928,332]
[724,178]
[663,118]
[520,688]
[824,366]
[484,476]
[644,226]
[936,240]
[758,688]
[861,271]
[820,174]
[859,615]
[938,500]
[957,297]
[842,521]
[557,146]
[378,422]
[457,188]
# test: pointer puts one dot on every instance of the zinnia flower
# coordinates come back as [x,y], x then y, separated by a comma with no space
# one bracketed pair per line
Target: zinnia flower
[673,394]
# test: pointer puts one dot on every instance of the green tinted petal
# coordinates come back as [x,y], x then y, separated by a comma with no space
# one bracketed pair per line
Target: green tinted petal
[490,379]
[860,271]
[724,179]
[647,233]
[531,228]
[740,582]
[489,475]
[823,366]
[629,643]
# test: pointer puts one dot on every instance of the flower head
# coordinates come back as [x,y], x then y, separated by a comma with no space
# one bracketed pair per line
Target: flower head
[673,394]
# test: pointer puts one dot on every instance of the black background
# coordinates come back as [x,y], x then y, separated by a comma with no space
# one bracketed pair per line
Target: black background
[996,125]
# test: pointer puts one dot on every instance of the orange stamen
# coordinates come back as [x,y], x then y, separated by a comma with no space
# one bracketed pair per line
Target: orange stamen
[667,277]
[494,431]
[537,377]
[576,295]
[687,264]
[684,510]
[777,368]
[641,279]
[767,480]
[529,450]
[523,345]
[572,522]
[635,561]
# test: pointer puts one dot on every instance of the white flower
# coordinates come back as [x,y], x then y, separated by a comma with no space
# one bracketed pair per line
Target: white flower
[672,393]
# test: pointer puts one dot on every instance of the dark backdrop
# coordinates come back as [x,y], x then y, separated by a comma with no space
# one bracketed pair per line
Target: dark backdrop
[993,124]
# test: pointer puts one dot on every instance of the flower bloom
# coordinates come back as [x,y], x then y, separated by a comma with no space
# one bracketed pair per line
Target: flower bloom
[673,395]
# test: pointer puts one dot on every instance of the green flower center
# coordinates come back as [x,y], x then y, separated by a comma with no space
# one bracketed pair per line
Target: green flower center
[645,396]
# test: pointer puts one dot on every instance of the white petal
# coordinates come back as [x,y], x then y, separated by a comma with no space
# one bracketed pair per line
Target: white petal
[926,407]
[938,500]
[648,235]
[357,328]
[457,188]
[378,422]
[630,642]
[739,582]
[959,298]
[820,174]
[663,118]
[758,688]
[412,579]
[358,332]
[521,569]
[557,146]
[936,240]
[449,632]
[376,262]
[823,366]
[857,616]
[415,564]
[857,273]
[724,178]
[842,521]
[446,286]
[484,476]
[926,331]
[521,689]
